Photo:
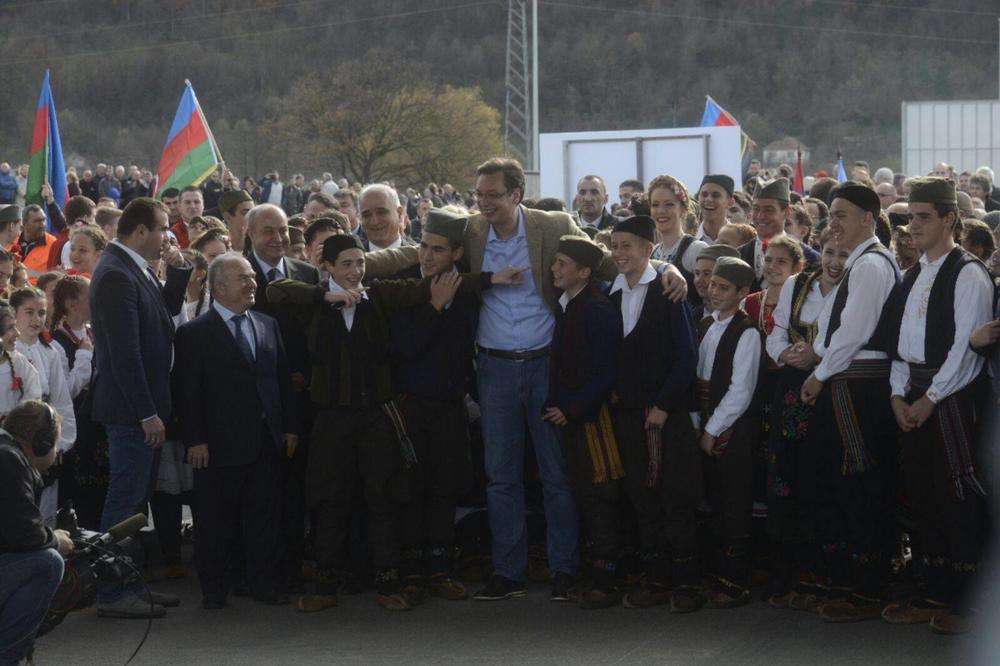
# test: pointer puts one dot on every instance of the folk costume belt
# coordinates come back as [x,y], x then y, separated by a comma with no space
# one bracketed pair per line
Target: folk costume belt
[517,356]
[857,458]
[953,431]
[406,449]
[702,393]
[603,448]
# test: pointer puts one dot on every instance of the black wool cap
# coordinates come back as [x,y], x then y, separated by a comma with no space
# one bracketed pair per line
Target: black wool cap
[863,197]
[642,226]
[720,179]
[334,245]
[581,250]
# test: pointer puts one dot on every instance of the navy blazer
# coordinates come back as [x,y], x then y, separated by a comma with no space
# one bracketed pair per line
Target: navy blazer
[292,333]
[221,398]
[296,270]
[133,334]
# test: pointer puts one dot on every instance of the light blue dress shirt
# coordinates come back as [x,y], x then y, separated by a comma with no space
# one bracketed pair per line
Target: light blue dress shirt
[513,318]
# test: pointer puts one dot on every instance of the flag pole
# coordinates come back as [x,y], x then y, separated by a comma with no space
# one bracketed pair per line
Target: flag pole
[208,132]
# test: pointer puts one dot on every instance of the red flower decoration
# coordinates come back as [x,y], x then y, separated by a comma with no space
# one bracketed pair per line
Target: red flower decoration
[16,384]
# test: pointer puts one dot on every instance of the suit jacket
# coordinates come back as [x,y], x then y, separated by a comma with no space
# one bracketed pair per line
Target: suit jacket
[221,397]
[542,230]
[292,333]
[134,334]
[296,270]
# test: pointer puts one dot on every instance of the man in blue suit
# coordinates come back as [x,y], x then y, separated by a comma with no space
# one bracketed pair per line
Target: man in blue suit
[132,317]
[237,414]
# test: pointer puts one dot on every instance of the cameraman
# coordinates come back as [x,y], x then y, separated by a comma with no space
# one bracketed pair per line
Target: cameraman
[31,555]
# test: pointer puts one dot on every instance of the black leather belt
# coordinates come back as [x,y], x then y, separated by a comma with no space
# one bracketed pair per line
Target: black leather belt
[515,355]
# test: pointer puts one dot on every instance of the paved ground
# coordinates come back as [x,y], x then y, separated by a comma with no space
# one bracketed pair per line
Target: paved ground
[529,630]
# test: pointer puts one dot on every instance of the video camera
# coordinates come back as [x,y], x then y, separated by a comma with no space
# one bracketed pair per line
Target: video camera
[109,556]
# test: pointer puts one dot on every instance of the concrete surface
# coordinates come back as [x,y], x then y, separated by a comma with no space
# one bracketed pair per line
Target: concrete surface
[529,630]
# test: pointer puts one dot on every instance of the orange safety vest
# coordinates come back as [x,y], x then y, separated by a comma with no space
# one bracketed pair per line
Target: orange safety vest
[37,260]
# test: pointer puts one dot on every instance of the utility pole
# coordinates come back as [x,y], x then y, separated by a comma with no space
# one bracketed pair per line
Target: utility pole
[517,129]
[534,86]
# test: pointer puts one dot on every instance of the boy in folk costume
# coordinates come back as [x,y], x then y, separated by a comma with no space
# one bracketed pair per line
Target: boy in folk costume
[937,383]
[359,436]
[657,441]
[728,363]
[852,430]
[582,373]
[703,267]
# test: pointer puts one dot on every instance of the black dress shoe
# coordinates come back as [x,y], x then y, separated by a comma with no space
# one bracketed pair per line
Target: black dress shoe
[273,599]
[499,588]
[561,583]
[211,602]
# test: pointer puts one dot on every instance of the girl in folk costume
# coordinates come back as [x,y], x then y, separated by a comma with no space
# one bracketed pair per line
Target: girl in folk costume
[790,524]
[85,468]
[196,300]
[85,249]
[783,257]
[30,314]
[668,206]
[18,378]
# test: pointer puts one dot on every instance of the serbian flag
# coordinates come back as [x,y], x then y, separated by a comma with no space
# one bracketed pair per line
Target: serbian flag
[716,116]
[46,164]
[841,174]
[800,179]
[190,155]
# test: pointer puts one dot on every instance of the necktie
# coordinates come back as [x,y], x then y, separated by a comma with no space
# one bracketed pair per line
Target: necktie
[272,275]
[241,340]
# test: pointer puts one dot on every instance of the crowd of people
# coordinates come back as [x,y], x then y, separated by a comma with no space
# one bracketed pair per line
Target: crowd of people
[671,400]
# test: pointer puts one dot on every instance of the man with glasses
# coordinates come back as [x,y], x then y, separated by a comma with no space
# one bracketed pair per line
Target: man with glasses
[515,331]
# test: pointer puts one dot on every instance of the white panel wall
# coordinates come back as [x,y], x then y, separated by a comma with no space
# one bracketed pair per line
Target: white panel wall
[963,134]
[686,153]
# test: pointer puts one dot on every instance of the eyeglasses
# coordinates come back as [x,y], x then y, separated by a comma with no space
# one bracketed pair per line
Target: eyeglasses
[490,196]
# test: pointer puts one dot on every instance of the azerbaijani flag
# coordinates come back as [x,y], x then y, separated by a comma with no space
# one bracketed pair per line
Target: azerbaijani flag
[46,164]
[190,155]
[716,116]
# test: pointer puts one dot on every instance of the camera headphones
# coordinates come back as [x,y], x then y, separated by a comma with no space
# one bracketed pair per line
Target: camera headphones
[45,438]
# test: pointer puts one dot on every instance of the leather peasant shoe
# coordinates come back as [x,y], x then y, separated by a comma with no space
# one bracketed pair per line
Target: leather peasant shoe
[313,603]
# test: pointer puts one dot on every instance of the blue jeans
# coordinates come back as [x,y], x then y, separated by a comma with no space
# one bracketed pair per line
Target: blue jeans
[27,583]
[512,395]
[133,473]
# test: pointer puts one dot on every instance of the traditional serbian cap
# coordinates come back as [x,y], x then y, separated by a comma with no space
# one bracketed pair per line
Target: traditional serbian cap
[229,200]
[932,190]
[777,189]
[861,196]
[720,179]
[735,270]
[581,250]
[717,251]
[642,226]
[334,245]
[447,224]
[11,213]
